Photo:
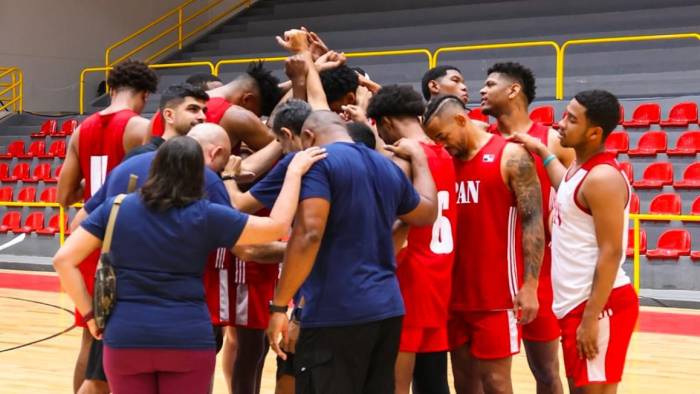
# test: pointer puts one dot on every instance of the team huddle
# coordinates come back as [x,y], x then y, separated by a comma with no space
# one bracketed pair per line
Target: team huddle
[362,232]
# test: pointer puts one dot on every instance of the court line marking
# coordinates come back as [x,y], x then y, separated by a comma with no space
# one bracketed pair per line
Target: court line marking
[42,339]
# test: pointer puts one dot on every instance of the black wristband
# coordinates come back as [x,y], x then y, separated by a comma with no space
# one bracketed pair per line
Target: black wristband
[278,309]
[228,178]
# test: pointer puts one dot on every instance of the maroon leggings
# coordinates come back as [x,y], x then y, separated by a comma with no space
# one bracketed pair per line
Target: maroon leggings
[159,370]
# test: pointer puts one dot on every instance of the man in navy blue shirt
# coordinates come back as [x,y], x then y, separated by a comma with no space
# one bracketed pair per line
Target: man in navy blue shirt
[340,258]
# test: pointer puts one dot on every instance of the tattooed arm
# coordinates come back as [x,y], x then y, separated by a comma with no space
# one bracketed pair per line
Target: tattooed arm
[518,170]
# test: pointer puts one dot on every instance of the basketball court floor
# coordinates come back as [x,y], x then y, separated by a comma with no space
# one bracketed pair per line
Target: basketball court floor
[38,345]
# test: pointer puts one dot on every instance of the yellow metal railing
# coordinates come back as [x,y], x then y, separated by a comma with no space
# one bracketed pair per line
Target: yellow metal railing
[179,26]
[504,45]
[61,213]
[637,218]
[398,52]
[85,71]
[607,40]
[12,94]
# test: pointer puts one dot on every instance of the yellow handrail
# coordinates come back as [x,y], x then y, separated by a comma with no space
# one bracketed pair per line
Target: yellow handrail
[637,218]
[397,52]
[504,45]
[15,87]
[605,40]
[179,26]
[81,84]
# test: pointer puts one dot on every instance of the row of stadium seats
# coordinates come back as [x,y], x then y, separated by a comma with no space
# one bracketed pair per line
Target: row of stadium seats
[672,244]
[681,115]
[21,172]
[28,194]
[36,149]
[665,204]
[653,142]
[660,174]
[50,129]
[34,222]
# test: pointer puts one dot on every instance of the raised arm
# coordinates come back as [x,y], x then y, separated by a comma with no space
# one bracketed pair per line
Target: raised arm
[70,189]
[519,169]
[604,192]
[555,169]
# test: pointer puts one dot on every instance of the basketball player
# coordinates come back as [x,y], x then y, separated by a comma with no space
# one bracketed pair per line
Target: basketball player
[205,81]
[593,298]
[424,266]
[498,258]
[98,145]
[444,80]
[507,93]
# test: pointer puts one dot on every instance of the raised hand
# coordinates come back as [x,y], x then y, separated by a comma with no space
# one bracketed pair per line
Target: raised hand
[317,47]
[294,40]
[530,143]
[296,67]
[302,161]
[405,148]
[329,61]
[353,113]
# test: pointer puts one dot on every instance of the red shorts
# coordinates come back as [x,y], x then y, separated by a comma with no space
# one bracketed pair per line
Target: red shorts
[251,301]
[489,334]
[545,327]
[217,287]
[87,270]
[615,326]
[423,339]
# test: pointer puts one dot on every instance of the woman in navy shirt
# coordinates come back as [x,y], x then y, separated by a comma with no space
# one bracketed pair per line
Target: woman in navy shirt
[158,338]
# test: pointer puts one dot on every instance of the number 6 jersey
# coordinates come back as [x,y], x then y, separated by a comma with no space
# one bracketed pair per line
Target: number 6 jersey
[424,266]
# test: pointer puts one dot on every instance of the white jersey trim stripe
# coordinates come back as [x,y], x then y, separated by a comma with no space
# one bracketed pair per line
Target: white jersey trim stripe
[223,295]
[512,267]
[513,331]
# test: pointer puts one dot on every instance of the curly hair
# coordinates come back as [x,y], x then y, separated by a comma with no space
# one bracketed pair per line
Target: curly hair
[602,109]
[270,92]
[291,115]
[338,82]
[434,74]
[396,100]
[133,74]
[518,73]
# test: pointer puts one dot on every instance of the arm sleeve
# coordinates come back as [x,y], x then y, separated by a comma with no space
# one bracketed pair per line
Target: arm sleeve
[96,222]
[268,188]
[409,198]
[215,190]
[224,225]
[316,183]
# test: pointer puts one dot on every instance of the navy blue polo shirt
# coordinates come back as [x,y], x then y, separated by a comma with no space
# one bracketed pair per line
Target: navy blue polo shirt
[353,280]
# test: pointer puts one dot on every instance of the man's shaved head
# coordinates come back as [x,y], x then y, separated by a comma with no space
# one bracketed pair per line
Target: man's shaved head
[215,143]
[323,127]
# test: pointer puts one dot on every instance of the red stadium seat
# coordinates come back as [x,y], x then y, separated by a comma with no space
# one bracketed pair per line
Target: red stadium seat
[4,172]
[10,221]
[672,244]
[27,194]
[6,193]
[644,115]
[33,222]
[41,173]
[665,204]
[622,114]
[687,144]
[650,143]
[617,142]
[695,207]
[634,203]
[56,173]
[642,242]
[36,149]
[67,128]
[47,128]
[14,149]
[52,227]
[543,114]
[626,167]
[681,115]
[57,149]
[655,176]
[48,195]
[691,177]
[476,114]
[20,172]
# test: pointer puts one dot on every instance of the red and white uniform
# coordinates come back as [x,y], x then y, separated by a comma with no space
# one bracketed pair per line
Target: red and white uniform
[157,124]
[545,327]
[100,149]
[575,256]
[217,287]
[424,266]
[488,262]
[216,109]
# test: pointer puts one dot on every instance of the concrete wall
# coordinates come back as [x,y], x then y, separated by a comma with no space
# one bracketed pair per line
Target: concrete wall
[52,41]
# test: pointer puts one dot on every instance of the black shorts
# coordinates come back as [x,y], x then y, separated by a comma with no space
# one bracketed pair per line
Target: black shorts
[285,367]
[350,359]
[95,370]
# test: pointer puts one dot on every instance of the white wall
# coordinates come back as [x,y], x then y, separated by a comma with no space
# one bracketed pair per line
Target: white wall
[53,40]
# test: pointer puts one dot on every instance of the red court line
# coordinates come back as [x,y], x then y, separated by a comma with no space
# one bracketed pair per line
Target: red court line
[669,323]
[30,282]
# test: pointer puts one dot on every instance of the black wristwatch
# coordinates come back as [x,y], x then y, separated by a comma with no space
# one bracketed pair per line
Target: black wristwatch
[278,309]
[228,178]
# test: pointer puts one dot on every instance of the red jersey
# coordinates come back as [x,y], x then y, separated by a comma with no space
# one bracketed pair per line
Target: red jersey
[157,125]
[254,273]
[101,147]
[424,266]
[216,108]
[541,132]
[488,260]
